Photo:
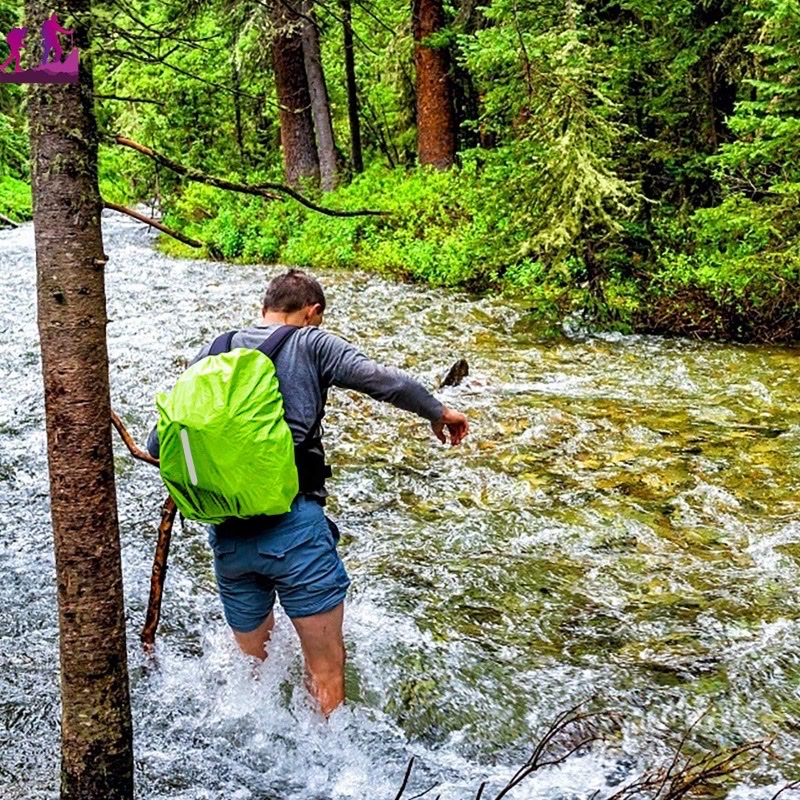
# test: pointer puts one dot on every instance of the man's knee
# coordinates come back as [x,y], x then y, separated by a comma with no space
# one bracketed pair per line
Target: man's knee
[253,643]
[321,638]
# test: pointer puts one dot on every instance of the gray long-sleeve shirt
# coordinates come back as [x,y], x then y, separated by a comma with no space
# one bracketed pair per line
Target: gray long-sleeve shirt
[310,362]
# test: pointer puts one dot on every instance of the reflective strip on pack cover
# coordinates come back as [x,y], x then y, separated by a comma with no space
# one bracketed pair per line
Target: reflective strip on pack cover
[227,412]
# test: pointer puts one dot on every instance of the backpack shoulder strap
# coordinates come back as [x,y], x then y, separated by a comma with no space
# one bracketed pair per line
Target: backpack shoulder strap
[270,346]
[222,344]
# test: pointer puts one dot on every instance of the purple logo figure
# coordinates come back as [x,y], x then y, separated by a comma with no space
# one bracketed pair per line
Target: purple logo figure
[50,31]
[15,38]
[55,71]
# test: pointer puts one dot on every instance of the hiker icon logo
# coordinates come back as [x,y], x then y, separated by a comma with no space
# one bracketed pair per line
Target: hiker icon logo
[58,70]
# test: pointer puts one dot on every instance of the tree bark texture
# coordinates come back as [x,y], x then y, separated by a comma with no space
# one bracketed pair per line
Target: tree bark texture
[356,155]
[320,102]
[436,121]
[96,729]
[300,158]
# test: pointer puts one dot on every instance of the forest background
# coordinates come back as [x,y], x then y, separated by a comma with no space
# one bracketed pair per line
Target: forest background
[634,163]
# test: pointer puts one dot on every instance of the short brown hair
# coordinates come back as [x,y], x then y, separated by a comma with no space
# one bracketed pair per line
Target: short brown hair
[292,291]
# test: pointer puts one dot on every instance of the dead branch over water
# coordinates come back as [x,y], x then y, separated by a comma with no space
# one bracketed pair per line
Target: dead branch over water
[268,191]
[135,450]
[574,731]
[154,222]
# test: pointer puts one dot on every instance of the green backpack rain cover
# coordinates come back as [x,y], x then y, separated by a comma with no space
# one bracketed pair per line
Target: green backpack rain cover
[225,448]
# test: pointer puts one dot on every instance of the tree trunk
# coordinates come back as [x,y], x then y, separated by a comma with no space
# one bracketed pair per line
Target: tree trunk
[96,730]
[320,103]
[237,111]
[356,156]
[436,123]
[300,158]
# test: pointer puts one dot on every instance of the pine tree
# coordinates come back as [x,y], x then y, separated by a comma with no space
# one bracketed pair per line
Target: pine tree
[96,729]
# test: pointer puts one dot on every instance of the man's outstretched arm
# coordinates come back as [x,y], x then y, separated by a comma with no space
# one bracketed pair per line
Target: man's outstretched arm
[345,366]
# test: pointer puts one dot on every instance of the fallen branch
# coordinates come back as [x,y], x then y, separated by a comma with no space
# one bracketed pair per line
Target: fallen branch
[148,635]
[570,732]
[136,451]
[265,190]
[124,99]
[405,779]
[681,778]
[154,222]
[5,220]
[788,788]
[686,776]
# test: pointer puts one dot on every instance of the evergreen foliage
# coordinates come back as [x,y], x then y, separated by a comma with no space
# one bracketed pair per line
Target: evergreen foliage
[15,194]
[631,160]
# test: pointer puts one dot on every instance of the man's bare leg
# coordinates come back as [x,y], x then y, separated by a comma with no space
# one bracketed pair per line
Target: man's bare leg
[323,648]
[253,643]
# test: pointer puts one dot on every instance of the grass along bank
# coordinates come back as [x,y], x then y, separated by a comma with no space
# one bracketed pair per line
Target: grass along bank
[731,272]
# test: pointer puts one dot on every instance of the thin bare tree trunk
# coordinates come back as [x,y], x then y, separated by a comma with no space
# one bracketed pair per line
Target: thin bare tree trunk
[356,156]
[300,158]
[320,103]
[237,111]
[436,120]
[96,730]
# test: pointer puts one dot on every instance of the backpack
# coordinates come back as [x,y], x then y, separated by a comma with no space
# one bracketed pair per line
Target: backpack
[225,448]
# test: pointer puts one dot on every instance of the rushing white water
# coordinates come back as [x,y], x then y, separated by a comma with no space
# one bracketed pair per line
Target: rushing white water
[623,522]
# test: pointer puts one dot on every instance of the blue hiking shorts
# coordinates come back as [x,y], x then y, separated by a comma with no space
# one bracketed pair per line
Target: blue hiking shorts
[292,554]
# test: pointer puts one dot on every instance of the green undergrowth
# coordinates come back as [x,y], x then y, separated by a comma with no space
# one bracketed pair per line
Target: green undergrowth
[729,272]
[448,229]
[15,198]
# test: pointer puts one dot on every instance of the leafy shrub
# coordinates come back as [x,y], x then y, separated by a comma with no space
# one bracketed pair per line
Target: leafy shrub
[15,198]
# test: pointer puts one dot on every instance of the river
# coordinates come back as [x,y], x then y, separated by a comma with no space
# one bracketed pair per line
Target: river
[623,522]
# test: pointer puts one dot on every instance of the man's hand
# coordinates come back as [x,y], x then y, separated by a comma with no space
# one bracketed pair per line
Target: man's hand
[456,424]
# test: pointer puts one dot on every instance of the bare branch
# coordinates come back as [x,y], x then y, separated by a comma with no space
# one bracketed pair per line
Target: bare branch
[154,222]
[135,450]
[5,220]
[265,190]
[680,778]
[422,794]
[548,753]
[148,635]
[128,99]
[788,788]
[405,779]
[693,776]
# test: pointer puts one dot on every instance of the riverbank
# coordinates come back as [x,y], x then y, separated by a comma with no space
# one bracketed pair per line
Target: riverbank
[729,273]
[722,274]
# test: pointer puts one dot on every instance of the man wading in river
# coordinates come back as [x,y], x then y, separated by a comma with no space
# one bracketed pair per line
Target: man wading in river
[294,554]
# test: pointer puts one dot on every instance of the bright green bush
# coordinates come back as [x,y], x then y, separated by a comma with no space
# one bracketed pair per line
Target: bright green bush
[15,198]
